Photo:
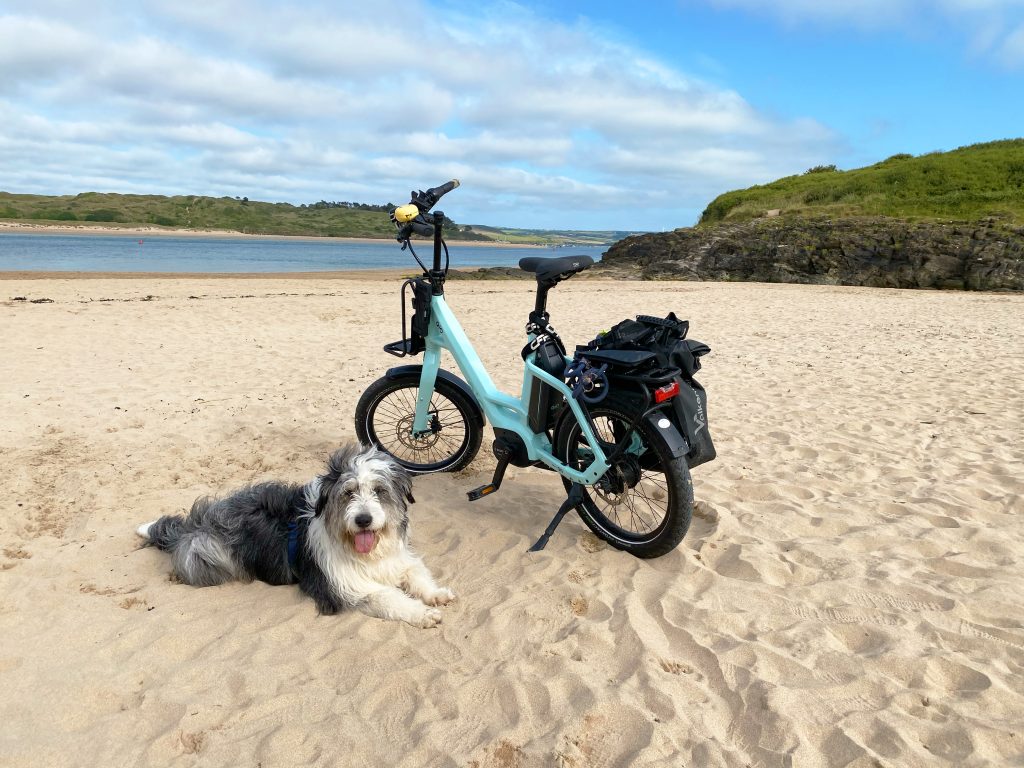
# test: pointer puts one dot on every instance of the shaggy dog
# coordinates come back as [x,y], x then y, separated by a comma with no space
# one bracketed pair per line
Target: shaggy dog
[343,538]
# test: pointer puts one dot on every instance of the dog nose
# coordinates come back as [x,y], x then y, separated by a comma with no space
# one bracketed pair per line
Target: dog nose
[363,520]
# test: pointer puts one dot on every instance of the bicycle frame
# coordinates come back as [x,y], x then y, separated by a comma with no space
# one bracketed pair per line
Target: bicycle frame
[503,410]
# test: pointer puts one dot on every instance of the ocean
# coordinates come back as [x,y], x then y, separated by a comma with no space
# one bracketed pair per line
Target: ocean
[164,253]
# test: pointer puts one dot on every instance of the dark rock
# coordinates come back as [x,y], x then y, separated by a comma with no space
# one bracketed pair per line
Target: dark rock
[880,252]
[490,273]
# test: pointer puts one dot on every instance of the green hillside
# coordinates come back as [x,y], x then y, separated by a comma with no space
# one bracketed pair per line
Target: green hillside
[966,184]
[221,213]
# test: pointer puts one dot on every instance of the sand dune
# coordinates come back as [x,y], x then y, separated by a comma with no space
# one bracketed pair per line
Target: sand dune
[849,593]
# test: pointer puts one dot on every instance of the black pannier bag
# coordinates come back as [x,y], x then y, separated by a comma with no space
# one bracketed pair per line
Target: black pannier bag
[666,337]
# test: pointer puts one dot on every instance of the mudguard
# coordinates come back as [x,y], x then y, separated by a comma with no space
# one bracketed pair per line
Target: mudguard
[660,422]
[413,371]
[688,411]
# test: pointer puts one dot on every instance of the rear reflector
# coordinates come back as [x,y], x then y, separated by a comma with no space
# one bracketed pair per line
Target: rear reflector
[661,394]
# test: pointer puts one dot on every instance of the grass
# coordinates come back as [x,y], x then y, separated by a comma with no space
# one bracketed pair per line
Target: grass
[966,184]
[194,212]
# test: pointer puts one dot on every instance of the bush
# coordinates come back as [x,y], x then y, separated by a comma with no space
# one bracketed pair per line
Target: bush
[104,214]
[821,169]
[719,208]
[49,214]
[1015,175]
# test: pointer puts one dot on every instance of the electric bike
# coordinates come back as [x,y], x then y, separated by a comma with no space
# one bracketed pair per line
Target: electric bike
[620,420]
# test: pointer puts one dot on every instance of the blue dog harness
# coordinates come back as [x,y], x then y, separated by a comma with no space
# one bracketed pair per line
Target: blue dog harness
[293,543]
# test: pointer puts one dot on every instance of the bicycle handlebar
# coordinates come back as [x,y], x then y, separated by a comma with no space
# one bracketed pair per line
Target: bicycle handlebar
[427,200]
[410,218]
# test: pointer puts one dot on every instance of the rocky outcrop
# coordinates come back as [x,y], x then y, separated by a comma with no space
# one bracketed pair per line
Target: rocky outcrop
[880,252]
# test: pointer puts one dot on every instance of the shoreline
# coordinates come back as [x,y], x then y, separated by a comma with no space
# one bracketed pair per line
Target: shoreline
[9,227]
[336,274]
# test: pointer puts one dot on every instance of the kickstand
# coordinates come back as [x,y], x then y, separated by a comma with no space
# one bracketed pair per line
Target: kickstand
[574,499]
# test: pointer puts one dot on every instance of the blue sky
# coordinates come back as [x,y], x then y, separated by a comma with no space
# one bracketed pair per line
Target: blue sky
[597,115]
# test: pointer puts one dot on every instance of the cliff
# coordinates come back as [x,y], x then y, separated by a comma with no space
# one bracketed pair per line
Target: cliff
[872,251]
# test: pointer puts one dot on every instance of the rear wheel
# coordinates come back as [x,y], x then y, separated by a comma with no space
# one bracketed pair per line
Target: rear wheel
[384,417]
[644,503]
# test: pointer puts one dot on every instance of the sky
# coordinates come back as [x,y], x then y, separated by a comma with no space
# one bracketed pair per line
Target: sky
[597,115]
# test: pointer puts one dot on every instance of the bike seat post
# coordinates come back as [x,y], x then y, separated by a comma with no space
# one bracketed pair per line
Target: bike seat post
[540,307]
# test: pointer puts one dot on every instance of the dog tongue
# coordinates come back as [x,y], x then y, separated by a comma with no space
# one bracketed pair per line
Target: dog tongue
[365,541]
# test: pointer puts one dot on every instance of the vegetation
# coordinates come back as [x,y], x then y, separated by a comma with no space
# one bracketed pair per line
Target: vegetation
[325,219]
[967,184]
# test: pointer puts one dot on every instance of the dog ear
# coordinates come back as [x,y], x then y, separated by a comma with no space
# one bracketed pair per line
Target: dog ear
[322,498]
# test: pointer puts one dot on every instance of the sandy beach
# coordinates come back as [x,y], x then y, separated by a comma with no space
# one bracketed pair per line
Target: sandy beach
[849,593]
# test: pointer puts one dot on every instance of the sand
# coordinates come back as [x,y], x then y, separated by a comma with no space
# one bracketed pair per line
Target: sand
[849,592]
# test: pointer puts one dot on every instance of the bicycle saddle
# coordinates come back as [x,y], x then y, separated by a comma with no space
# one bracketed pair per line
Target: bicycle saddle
[558,268]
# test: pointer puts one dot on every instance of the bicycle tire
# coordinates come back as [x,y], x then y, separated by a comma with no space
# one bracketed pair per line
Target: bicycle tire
[654,459]
[394,401]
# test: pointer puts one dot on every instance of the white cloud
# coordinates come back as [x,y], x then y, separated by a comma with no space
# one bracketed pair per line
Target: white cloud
[992,26]
[300,104]
[1011,49]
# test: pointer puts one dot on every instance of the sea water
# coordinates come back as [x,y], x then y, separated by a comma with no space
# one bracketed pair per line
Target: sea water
[165,253]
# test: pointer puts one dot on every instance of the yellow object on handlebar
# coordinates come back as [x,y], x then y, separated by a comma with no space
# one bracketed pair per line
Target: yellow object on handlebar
[406,213]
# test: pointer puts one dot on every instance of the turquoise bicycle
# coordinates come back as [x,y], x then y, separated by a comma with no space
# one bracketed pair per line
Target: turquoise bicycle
[621,421]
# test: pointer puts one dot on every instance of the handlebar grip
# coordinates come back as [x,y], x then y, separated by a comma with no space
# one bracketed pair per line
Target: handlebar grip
[444,189]
[420,228]
[427,200]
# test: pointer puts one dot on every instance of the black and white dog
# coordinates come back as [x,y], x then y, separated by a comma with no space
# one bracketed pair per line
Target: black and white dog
[343,538]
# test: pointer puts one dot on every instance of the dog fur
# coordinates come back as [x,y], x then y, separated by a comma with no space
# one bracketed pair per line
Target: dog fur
[362,496]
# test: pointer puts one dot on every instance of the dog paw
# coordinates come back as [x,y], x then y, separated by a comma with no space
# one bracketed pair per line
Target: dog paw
[143,530]
[440,596]
[430,618]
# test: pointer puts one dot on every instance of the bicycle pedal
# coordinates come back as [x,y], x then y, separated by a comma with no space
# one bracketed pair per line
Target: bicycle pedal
[484,490]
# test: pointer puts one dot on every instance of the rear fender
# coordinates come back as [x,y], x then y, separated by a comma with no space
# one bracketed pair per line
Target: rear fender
[664,426]
[660,419]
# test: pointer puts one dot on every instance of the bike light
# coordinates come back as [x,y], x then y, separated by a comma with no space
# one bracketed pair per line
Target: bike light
[661,394]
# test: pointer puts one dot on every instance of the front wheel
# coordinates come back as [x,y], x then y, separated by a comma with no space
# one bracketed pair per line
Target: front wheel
[384,417]
[644,502]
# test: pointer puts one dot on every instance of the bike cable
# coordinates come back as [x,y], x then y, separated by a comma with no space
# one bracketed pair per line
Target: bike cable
[408,244]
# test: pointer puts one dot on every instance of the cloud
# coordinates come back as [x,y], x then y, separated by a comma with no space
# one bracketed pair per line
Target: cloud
[993,27]
[546,123]
[1011,49]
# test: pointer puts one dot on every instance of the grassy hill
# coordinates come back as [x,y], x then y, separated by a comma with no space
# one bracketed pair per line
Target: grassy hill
[194,212]
[253,217]
[966,184]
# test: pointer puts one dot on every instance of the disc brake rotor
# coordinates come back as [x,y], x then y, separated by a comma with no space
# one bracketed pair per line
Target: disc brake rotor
[418,443]
[622,476]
